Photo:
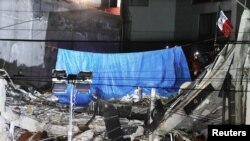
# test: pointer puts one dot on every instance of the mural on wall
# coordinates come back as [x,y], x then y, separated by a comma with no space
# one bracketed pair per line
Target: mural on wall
[51,25]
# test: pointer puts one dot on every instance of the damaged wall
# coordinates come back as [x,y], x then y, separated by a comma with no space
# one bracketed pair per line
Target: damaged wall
[239,71]
[21,25]
[95,33]
[38,20]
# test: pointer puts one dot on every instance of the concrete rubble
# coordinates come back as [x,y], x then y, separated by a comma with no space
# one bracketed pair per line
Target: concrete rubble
[29,114]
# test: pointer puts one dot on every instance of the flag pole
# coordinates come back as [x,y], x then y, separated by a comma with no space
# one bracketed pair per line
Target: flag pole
[215,36]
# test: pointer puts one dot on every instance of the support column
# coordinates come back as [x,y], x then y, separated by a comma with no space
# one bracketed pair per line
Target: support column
[152,105]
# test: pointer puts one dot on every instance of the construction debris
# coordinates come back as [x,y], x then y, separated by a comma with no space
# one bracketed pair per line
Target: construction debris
[27,114]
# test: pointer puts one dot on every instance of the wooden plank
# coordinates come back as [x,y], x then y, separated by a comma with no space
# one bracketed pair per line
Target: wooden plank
[25,136]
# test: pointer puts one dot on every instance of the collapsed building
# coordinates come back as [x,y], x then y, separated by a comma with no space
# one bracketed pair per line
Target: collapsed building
[217,96]
[121,73]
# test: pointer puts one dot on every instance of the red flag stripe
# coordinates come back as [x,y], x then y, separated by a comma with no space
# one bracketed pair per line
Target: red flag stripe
[227,28]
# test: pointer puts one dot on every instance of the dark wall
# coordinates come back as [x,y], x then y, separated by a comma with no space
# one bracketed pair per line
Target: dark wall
[89,30]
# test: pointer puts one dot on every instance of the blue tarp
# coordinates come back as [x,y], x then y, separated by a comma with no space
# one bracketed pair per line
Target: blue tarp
[116,75]
[79,99]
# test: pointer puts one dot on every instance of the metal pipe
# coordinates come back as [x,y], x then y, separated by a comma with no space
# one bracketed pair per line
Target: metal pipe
[242,4]
[171,137]
[70,132]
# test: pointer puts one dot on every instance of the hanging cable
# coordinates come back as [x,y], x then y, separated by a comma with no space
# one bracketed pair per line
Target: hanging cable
[18,23]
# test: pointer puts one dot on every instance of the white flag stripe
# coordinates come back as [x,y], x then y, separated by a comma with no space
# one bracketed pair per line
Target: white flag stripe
[222,19]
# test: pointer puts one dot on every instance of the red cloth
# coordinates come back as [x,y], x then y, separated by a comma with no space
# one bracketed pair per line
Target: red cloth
[224,24]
